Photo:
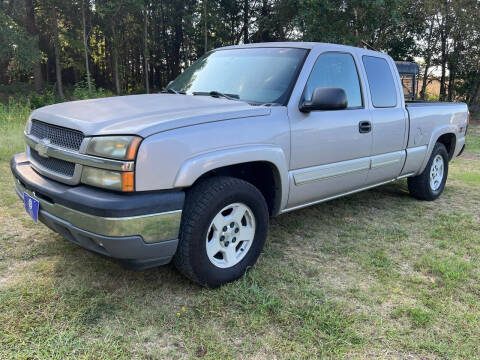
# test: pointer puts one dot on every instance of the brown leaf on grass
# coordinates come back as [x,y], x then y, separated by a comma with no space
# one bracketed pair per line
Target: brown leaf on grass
[201,351]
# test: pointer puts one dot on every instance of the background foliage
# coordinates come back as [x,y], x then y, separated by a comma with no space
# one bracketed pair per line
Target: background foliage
[373,275]
[133,46]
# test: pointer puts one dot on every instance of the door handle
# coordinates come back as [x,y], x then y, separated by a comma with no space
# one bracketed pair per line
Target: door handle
[364,127]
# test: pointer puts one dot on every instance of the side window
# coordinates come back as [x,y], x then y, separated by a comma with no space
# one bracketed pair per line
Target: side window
[380,80]
[336,70]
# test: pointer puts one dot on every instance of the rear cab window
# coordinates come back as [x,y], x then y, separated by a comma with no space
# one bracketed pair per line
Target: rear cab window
[380,80]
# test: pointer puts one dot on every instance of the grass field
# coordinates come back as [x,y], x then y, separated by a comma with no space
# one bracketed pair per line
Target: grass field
[372,275]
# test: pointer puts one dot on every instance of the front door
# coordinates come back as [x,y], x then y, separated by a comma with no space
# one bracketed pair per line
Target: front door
[330,150]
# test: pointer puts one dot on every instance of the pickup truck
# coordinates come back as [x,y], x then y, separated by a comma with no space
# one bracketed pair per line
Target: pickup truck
[192,175]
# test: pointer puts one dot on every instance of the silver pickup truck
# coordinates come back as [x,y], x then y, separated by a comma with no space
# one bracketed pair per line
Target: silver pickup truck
[247,132]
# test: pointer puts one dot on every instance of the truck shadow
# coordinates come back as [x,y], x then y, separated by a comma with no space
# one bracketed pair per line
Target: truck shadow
[108,275]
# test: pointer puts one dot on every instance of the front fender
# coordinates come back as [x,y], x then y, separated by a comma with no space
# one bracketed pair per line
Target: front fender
[196,166]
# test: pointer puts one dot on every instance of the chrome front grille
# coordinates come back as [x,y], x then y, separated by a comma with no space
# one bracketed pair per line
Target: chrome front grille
[57,135]
[44,136]
[57,166]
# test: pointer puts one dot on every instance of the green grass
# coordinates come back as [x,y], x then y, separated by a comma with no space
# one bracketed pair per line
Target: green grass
[13,117]
[419,317]
[373,275]
[473,134]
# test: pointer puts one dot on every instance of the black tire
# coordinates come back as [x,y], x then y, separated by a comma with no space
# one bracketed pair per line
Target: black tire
[419,186]
[205,200]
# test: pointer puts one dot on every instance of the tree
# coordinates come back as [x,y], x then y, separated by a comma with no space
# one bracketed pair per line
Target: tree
[145,53]
[85,43]
[445,25]
[141,45]
[33,32]
[56,47]
[18,51]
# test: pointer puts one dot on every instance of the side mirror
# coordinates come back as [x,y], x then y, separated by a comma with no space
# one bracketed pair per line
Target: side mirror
[326,98]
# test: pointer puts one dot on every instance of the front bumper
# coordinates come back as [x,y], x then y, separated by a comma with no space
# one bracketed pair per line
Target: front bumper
[143,227]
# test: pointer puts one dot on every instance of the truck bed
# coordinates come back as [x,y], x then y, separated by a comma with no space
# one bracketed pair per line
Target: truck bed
[429,119]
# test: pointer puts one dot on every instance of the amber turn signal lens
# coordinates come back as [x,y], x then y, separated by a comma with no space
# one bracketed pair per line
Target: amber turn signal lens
[132,148]
[128,181]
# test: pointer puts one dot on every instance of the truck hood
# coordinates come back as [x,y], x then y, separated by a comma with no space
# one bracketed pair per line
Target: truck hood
[144,115]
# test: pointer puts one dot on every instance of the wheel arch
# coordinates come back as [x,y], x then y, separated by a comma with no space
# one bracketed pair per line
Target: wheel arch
[446,136]
[263,166]
[449,140]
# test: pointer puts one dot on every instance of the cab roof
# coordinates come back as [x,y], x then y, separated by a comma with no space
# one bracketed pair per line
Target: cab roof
[303,45]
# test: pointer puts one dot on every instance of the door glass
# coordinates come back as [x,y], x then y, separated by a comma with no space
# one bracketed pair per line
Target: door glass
[380,80]
[336,70]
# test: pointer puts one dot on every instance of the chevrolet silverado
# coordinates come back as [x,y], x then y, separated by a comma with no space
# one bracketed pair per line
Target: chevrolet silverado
[192,174]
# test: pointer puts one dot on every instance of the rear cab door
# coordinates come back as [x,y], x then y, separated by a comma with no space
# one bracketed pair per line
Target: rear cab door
[388,115]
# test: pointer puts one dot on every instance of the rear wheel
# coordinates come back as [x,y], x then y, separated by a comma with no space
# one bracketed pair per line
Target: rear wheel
[430,183]
[224,227]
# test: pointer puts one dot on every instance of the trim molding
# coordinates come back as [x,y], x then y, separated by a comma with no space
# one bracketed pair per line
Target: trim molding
[384,163]
[330,170]
[327,171]
[346,193]
[336,196]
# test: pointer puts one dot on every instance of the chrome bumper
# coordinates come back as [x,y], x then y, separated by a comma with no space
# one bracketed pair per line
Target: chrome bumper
[152,227]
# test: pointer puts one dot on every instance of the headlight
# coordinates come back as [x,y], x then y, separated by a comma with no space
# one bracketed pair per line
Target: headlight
[117,148]
[114,147]
[113,180]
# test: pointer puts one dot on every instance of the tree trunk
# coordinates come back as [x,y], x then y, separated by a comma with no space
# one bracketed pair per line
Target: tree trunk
[85,46]
[428,60]
[355,16]
[474,104]
[245,21]
[443,66]
[115,60]
[145,52]
[205,25]
[151,77]
[264,24]
[33,32]
[424,80]
[168,62]
[451,82]
[56,47]
[178,39]
[473,99]
[444,34]
[4,72]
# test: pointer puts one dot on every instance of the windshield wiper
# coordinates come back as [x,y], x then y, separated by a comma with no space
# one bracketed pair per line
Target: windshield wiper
[173,91]
[218,94]
[256,103]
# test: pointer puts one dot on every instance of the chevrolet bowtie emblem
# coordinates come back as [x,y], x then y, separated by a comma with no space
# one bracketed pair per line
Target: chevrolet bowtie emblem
[42,147]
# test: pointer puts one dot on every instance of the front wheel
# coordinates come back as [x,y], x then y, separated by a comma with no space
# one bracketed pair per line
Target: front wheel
[430,183]
[224,227]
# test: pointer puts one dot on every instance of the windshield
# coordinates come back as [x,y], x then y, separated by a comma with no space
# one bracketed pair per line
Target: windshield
[259,75]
